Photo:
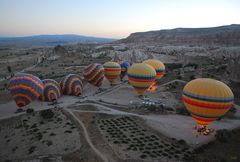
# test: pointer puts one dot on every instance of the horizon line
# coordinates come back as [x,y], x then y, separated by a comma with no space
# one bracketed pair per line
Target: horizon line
[94,36]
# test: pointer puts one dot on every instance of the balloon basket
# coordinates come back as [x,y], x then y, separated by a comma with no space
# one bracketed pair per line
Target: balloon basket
[203,130]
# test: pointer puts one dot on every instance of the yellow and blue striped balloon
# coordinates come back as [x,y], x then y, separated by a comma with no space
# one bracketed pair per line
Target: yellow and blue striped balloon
[94,74]
[25,88]
[207,99]
[111,71]
[72,85]
[158,66]
[141,76]
[52,90]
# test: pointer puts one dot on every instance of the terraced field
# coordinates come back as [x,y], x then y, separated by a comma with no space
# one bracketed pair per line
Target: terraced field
[131,140]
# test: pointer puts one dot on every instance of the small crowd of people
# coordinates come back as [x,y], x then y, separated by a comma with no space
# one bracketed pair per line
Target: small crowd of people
[203,130]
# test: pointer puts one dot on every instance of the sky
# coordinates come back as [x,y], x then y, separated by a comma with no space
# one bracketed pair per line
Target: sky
[112,18]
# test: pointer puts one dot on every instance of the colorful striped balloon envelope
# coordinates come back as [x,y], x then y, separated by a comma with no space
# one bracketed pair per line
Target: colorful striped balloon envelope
[124,66]
[158,66]
[94,74]
[207,99]
[111,71]
[141,76]
[52,90]
[72,85]
[25,88]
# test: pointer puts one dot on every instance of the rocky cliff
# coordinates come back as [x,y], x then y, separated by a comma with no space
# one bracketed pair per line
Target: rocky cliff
[223,35]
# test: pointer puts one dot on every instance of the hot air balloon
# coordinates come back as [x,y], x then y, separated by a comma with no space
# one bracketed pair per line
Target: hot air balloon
[158,66]
[124,66]
[52,90]
[111,71]
[72,85]
[207,100]
[94,74]
[141,76]
[25,88]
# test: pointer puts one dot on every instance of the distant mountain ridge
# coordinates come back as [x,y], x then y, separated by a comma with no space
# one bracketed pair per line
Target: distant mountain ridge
[228,35]
[52,40]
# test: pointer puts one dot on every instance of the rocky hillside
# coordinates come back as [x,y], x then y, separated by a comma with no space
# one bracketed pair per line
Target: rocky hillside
[223,35]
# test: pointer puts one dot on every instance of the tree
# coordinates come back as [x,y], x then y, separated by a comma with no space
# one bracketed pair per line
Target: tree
[5,85]
[9,69]
[192,77]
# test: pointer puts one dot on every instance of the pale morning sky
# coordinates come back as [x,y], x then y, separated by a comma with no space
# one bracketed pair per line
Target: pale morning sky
[112,18]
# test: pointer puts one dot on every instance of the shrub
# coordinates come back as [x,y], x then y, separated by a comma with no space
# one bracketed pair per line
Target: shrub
[49,143]
[223,135]
[31,149]
[143,156]
[116,142]
[39,136]
[29,111]
[52,134]
[197,150]
[34,126]
[192,77]
[181,141]
[179,77]
[35,130]
[68,131]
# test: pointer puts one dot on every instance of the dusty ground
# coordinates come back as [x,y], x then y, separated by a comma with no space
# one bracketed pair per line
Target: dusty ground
[124,94]
[88,120]
[181,127]
[84,153]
